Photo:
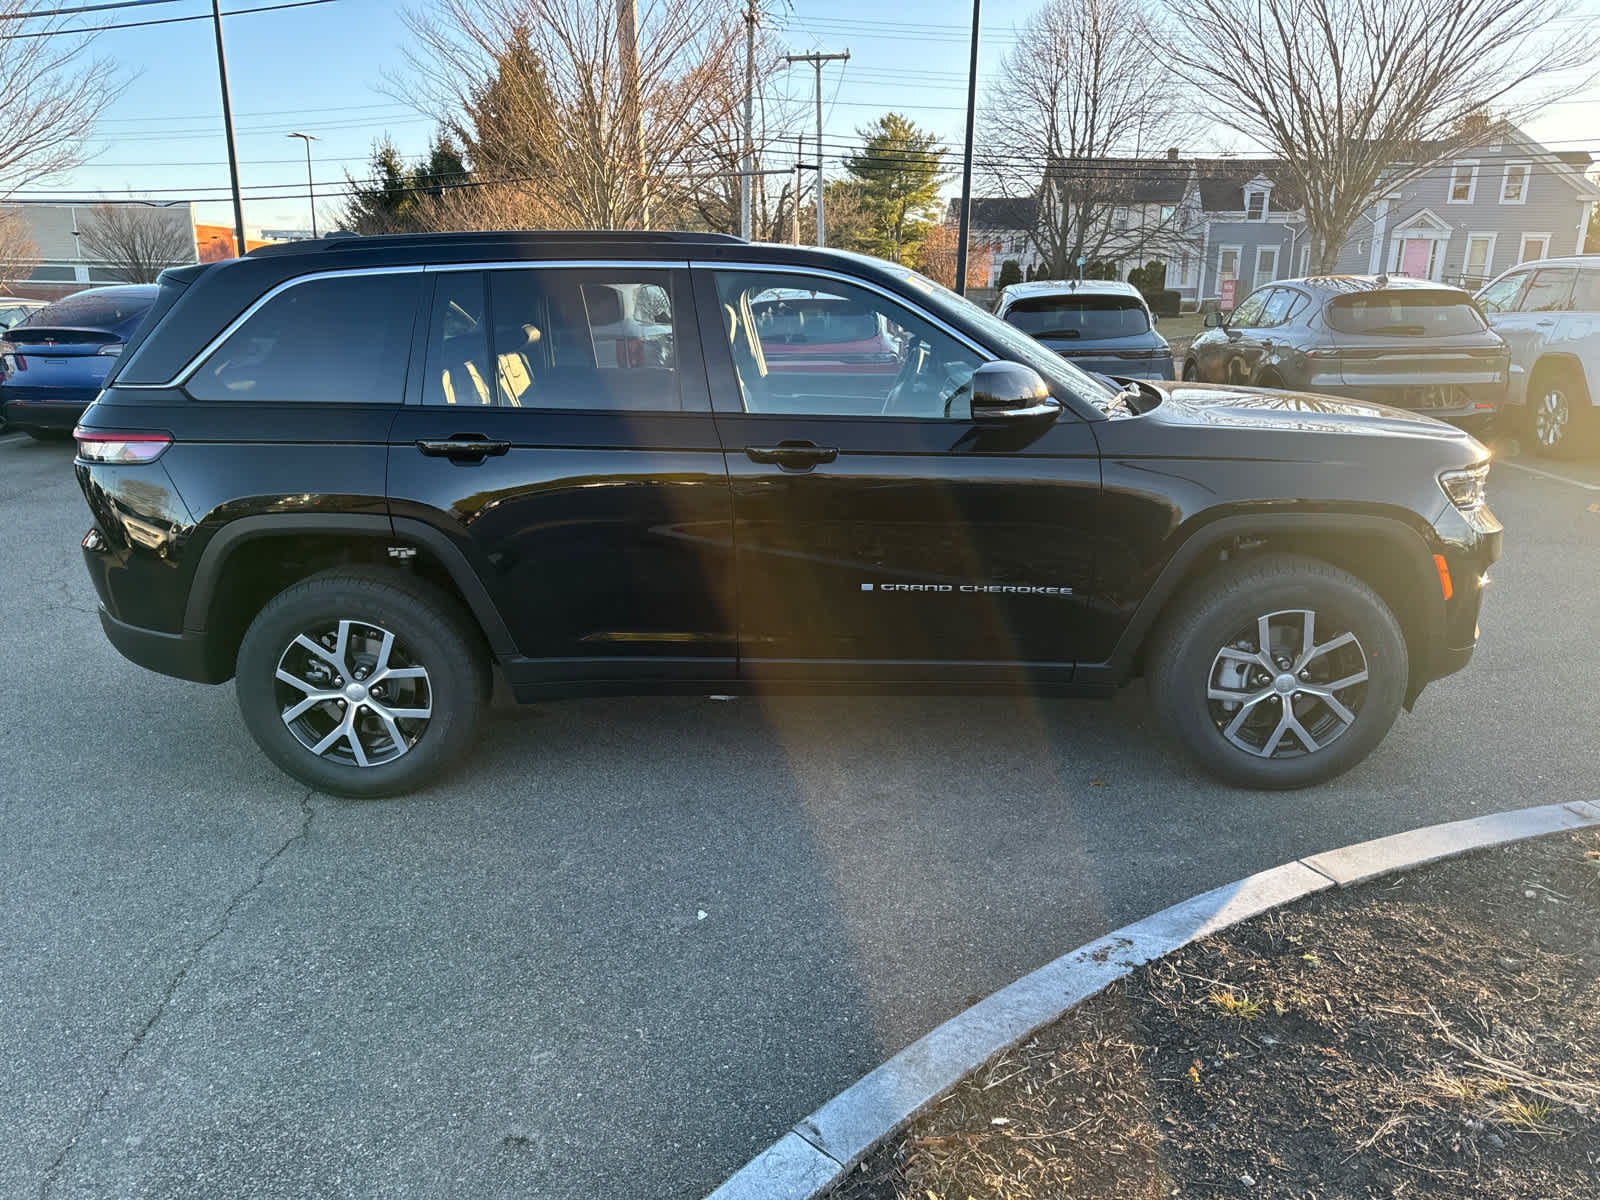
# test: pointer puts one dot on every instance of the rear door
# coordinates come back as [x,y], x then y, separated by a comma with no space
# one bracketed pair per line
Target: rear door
[881,535]
[560,433]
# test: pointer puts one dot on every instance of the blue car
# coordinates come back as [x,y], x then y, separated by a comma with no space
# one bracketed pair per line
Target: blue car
[1102,326]
[54,363]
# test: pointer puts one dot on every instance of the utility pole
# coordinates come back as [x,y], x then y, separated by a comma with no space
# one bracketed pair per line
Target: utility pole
[746,179]
[311,187]
[633,109]
[816,60]
[963,227]
[227,124]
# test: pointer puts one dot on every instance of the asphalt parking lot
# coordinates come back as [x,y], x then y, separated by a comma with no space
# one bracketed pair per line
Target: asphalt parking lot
[638,938]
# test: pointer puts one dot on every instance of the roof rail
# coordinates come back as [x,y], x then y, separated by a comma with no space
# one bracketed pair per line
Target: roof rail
[344,241]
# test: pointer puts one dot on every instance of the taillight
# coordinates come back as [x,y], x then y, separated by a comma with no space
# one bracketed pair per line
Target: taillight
[103,446]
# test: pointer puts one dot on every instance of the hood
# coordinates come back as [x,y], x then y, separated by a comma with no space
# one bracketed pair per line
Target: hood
[1213,406]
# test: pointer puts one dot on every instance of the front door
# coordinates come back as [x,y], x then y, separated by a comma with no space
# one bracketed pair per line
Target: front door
[1415,255]
[882,535]
[561,434]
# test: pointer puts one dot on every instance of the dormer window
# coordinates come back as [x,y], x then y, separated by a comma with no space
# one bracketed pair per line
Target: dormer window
[1257,199]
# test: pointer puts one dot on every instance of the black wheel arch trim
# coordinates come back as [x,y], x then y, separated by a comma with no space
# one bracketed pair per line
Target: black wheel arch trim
[1413,548]
[399,529]
[1556,360]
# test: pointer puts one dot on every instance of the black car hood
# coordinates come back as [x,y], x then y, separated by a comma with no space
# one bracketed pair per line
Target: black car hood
[1214,406]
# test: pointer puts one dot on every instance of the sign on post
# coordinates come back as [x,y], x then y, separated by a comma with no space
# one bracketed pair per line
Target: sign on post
[1228,286]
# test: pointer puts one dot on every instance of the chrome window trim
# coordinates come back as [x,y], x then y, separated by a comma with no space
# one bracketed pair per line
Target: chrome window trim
[855,280]
[186,372]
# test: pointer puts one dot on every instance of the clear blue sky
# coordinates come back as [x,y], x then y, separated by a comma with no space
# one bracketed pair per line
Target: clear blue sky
[320,70]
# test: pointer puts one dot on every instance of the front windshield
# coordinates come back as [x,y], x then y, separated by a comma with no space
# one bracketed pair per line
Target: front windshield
[1012,343]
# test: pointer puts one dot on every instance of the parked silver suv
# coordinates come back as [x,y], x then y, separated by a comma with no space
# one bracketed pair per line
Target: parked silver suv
[1549,314]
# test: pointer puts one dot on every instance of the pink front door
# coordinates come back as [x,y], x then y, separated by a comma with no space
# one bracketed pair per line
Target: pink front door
[1414,257]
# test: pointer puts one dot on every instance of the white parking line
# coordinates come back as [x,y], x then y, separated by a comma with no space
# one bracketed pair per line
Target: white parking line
[1578,483]
[15,437]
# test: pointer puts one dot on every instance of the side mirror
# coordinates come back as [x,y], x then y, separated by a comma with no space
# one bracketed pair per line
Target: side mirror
[1214,319]
[1003,392]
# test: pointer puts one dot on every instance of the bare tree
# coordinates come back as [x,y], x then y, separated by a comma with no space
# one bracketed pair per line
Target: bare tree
[136,242]
[485,206]
[18,253]
[1358,97]
[52,92]
[1078,90]
[551,78]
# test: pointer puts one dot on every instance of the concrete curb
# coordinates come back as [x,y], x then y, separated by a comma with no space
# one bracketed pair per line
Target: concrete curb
[819,1150]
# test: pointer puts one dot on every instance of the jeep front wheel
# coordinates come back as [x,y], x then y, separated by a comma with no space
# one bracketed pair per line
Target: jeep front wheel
[361,683]
[1560,419]
[1279,673]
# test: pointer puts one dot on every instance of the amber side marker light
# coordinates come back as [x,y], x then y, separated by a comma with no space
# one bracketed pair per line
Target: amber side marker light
[1445,585]
[108,446]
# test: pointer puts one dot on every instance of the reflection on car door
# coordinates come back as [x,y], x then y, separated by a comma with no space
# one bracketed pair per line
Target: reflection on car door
[561,421]
[1240,354]
[882,535]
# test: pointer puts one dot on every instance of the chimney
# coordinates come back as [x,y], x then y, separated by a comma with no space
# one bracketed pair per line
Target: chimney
[1172,154]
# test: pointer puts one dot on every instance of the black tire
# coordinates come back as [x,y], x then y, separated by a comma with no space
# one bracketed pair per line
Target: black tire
[1560,421]
[1193,649]
[1191,371]
[364,606]
[48,435]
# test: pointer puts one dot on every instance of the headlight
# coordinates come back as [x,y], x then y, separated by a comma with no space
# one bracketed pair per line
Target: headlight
[1465,487]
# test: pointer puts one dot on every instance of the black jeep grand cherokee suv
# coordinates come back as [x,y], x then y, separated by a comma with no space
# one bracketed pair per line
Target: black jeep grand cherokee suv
[359,474]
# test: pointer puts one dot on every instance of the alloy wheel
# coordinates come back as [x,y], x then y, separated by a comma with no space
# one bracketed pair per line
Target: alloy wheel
[1276,691]
[351,692]
[1550,417]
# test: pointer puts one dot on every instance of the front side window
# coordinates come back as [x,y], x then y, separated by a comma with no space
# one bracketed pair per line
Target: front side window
[1072,315]
[1501,295]
[556,338]
[331,340]
[822,347]
[1248,314]
[1548,291]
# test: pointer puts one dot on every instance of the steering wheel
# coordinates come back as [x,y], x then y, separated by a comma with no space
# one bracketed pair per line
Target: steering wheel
[905,376]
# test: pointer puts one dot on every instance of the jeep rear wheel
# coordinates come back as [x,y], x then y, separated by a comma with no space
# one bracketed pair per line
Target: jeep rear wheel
[1280,673]
[1560,418]
[361,683]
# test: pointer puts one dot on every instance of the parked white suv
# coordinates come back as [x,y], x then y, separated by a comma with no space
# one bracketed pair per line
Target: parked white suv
[1549,314]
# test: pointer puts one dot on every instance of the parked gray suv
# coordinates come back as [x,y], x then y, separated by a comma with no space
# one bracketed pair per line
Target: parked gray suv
[1549,314]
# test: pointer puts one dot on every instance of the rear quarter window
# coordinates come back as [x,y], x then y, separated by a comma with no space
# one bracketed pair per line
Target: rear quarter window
[339,340]
[1405,314]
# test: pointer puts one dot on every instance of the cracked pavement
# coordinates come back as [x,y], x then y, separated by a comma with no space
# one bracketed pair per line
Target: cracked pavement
[216,985]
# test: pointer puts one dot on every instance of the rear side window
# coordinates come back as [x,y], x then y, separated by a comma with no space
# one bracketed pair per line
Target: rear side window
[1586,296]
[554,338]
[1086,316]
[340,340]
[1405,314]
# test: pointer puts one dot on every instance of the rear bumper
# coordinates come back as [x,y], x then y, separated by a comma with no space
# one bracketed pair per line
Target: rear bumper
[46,414]
[181,655]
[1448,402]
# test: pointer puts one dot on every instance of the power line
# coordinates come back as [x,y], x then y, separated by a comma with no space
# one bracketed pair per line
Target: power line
[40,14]
[90,29]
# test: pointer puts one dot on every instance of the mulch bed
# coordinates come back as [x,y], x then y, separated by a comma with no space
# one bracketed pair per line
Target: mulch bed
[1432,1036]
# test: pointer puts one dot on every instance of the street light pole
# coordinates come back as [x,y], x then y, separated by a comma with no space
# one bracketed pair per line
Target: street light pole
[227,124]
[311,187]
[964,225]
